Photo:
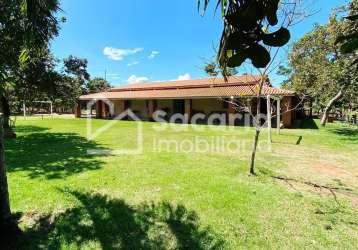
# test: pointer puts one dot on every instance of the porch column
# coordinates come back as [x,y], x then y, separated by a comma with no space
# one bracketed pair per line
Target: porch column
[104,110]
[278,115]
[99,109]
[269,125]
[151,108]
[287,112]
[231,112]
[78,111]
[188,110]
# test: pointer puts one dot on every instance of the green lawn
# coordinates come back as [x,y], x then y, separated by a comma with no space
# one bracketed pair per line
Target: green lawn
[68,199]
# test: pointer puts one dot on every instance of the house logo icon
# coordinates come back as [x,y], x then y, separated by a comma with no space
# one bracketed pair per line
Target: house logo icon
[92,133]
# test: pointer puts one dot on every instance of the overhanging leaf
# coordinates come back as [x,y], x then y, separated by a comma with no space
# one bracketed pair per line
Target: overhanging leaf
[237,59]
[246,17]
[240,40]
[259,56]
[278,38]
[271,11]
[24,56]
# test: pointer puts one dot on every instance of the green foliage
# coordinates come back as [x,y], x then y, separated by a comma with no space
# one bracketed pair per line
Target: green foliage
[77,67]
[38,79]
[212,70]
[348,40]
[76,81]
[41,24]
[245,22]
[11,34]
[318,68]
[97,85]
[26,27]
[67,91]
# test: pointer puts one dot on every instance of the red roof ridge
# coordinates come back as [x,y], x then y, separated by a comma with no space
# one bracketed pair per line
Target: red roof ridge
[194,83]
[183,87]
[201,88]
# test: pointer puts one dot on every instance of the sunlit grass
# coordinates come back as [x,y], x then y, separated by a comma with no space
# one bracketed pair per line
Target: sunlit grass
[188,200]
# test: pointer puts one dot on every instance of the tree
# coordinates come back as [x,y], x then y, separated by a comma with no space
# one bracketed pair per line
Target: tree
[97,85]
[319,70]
[212,69]
[39,80]
[12,35]
[35,80]
[348,41]
[247,34]
[68,89]
[77,67]
[25,26]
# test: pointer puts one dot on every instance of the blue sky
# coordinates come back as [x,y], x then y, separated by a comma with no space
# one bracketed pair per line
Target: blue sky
[151,40]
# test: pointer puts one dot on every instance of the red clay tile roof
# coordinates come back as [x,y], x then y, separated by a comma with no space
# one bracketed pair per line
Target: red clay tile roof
[244,79]
[246,85]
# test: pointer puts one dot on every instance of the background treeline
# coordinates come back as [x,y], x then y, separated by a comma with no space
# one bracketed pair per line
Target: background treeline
[323,67]
[61,87]
[28,70]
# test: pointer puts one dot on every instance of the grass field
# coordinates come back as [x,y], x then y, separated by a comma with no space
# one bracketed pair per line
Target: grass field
[69,199]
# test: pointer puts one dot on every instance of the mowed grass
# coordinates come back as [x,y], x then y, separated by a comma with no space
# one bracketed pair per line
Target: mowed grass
[165,198]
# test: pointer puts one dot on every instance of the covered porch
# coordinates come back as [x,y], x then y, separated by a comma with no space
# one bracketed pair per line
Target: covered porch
[279,109]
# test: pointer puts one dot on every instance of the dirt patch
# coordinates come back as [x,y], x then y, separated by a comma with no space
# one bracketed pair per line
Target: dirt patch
[353,198]
[331,170]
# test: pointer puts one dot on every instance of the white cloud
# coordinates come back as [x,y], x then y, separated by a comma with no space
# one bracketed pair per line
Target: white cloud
[137,79]
[118,54]
[184,77]
[153,54]
[132,63]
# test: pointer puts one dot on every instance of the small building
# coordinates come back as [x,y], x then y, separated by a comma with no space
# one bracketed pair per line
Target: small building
[189,97]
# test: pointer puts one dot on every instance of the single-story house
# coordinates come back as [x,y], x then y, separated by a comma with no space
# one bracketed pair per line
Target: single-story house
[188,97]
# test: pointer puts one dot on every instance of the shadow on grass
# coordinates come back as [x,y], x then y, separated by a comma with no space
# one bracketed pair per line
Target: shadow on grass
[50,155]
[347,133]
[309,124]
[103,223]
[289,139]
[30,129]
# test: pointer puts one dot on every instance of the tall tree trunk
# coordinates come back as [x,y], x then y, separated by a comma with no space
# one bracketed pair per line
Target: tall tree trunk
[257,124]
[253,153]
[329,107]
[6,223]
[6,112]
